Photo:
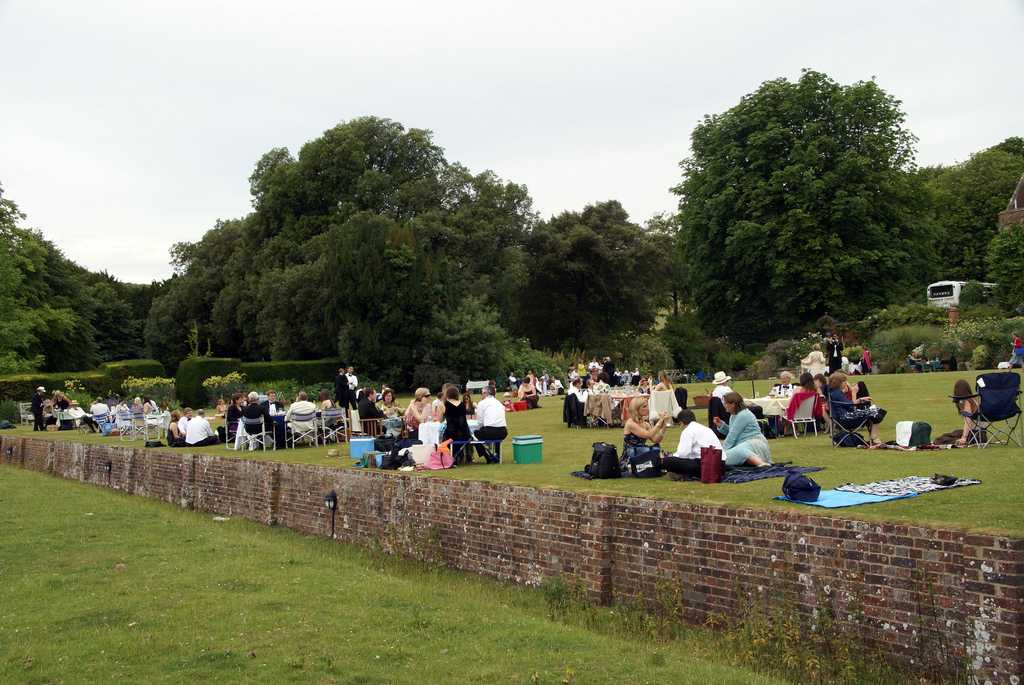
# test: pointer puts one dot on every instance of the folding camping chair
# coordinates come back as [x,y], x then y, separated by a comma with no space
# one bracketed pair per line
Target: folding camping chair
[840,432]
[804,414]
[999,408]
[255,433]
[303,429]
[333,425]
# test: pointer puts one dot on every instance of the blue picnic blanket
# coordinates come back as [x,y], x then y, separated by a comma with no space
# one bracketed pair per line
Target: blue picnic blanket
[834,499]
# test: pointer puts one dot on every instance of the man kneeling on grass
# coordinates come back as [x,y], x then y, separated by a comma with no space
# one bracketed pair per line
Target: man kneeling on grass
[685,461]
[198,432]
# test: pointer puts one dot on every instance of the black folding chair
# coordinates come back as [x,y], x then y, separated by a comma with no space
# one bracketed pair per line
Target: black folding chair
[841,432]
[999,408]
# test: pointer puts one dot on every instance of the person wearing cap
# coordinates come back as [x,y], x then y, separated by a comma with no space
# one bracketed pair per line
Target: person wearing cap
[37,409]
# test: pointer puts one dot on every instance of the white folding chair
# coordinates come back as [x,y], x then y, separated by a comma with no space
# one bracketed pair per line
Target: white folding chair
[804,415]
[303,428]
[333,425]
[255,433]
[25,413]
[124,425]
[155,425]
[138,426]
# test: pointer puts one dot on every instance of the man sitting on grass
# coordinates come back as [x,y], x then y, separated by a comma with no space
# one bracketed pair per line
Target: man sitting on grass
[685,461]
[198,432]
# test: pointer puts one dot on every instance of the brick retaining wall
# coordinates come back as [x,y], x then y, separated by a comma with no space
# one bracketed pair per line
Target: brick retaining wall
[907,589]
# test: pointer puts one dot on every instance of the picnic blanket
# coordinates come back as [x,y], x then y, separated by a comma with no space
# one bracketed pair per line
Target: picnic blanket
[901,486]
[834,499]
[742,474]
[748,474]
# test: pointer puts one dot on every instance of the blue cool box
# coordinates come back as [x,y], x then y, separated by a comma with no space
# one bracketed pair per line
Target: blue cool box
[359,445]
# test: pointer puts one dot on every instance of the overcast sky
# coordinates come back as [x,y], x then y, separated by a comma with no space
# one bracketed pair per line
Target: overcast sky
[128,126]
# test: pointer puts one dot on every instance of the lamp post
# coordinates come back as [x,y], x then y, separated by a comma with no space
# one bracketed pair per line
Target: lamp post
[331,502]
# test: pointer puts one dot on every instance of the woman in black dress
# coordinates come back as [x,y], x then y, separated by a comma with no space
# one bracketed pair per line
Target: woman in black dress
[456,427]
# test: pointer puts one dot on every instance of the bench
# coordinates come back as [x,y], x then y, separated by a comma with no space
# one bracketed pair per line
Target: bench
[464,444]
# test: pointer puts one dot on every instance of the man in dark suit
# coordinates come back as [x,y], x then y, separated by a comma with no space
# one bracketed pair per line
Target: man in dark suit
[368,406]
[37,409]
[272,403]
[343,392]
[609,370]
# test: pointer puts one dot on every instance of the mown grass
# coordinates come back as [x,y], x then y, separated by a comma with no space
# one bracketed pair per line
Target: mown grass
[98,586]
[994,506]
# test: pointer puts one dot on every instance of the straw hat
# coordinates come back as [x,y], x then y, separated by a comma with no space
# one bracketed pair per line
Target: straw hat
[720,378]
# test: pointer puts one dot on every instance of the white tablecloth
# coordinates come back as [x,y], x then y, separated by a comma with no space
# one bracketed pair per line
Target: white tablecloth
[431,431]
[772,406]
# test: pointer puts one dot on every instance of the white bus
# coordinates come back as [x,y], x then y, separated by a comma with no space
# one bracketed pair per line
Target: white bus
[947,293]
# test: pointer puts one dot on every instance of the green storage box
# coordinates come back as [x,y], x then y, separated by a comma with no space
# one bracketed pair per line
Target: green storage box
[527,449]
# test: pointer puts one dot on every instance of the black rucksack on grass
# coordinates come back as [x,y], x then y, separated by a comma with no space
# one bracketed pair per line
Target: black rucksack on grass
[605,462]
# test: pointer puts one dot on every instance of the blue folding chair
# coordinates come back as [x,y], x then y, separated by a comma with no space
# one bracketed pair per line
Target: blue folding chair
[999,408]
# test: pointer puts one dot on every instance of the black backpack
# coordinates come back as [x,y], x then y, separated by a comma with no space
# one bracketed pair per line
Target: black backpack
[383,444]
[800,488]
[605,461]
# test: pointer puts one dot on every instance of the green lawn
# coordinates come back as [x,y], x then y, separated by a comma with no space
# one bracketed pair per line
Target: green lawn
[97,586]
[993,506]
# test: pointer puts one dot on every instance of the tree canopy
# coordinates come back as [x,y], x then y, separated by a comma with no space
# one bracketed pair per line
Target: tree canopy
[58,316]
[963,203]
[796,202]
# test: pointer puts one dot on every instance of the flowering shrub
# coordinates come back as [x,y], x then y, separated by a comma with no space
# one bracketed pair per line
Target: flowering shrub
[159,390]
[225,386]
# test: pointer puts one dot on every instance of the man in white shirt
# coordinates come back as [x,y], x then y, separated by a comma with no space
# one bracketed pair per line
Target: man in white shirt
[353,380]
[99,417]
[198,432]
[493,426]
[301,407]
[685,461]
[186,416]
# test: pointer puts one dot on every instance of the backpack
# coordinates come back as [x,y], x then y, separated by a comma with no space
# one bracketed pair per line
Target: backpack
[800,488]
[605,461]
[383,444]
[644,461]
[913,433]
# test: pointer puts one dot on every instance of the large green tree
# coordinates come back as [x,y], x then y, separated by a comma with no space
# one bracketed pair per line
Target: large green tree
[591,276]
[354,247]
[964,200]
[797,202]
[1006,266]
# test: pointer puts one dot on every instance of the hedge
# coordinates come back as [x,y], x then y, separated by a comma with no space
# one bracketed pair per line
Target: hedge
[139,368]
[314,372]
[102,381]
[193,371]
[19,387]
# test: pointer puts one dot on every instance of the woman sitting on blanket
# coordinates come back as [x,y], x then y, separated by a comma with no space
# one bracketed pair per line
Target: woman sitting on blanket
[850,409]
[638,428]
[743,443]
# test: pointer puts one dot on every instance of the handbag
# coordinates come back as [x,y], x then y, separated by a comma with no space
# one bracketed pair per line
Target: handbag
[644,461]
[711,467]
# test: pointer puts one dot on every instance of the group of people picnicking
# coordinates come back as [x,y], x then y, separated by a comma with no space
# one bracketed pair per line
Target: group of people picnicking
[736,430]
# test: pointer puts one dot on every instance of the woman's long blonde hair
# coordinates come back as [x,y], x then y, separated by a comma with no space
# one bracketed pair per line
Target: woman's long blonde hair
[663,379]
[635,405]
